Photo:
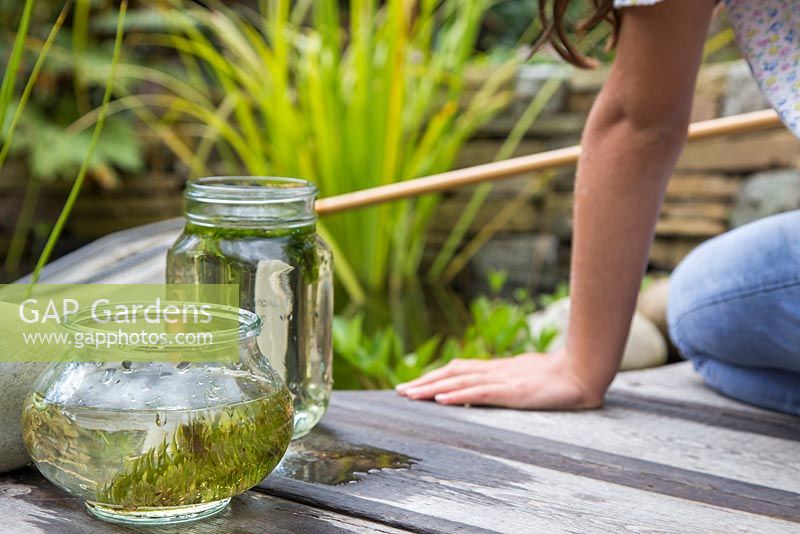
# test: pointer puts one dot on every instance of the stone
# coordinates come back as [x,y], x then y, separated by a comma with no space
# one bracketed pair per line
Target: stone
[15,382]
[580,102]
[645,347]
[704,108]
[702,186]
[562,129]
[765,194]
[481,151]
[530,80]
[743,153]
[652,303]
[526,219]
[742,94]
[688,226]
[667,253]
[16,379]
[718,211]
[531,262]
[556,215]
[588,80]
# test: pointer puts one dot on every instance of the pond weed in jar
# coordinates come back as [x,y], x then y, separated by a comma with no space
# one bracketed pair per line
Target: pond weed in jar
[160,442]
[260,233]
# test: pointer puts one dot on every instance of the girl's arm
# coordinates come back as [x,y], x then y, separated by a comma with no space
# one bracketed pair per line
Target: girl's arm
[631,142]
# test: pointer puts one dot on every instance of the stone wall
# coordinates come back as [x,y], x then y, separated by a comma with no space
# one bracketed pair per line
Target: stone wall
[701,199]
[533,245]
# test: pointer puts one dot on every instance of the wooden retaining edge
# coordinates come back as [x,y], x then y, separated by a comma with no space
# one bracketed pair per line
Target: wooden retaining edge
[746,122]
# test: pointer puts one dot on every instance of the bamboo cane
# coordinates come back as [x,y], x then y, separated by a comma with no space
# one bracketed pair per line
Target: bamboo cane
[746,122]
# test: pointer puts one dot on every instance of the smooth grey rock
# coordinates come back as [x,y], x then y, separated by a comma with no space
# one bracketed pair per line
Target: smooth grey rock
[15,382]
[652,303]
[767,193]
[645,348]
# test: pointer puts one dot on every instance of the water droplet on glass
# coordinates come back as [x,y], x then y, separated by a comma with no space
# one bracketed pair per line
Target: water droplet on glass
[161,419]
[108,377]
[127,367]
[183,367]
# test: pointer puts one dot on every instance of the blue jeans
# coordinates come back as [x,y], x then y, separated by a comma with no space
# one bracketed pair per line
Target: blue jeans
[734,311]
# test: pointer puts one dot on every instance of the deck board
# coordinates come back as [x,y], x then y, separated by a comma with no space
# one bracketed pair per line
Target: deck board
[28,505]
[656,438]
[499,480]
[666,454]
[679,383]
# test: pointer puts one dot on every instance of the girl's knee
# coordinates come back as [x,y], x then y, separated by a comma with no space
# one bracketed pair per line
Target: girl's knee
[683,300]
[735,298]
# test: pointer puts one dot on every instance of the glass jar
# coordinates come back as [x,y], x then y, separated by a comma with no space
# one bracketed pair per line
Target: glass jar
[154,442]
[260,233]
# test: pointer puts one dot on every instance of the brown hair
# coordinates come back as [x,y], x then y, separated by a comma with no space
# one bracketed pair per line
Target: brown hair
[555,28]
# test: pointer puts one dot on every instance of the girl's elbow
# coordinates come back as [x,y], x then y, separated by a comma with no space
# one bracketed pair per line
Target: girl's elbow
[640,121]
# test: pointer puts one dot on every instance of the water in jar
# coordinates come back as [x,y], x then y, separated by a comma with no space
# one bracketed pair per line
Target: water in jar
[113,449]
[284,277]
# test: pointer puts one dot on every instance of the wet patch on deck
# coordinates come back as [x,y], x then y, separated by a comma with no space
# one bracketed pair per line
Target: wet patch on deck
[321,458]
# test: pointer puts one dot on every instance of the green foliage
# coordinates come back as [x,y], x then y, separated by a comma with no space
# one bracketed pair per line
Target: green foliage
[348,98]
[38,125]
[207,459]
[561,292]
[58,228]
[542,342]
[14,59]
[52,152]
[377,361]
[497,281]
[511,21]
[77,64]
[497,328]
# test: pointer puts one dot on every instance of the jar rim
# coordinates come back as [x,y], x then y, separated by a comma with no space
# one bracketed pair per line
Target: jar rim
[250,189]
[248,324]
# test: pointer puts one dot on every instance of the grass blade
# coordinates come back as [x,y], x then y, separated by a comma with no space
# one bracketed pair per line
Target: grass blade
[76,187]
[10,76]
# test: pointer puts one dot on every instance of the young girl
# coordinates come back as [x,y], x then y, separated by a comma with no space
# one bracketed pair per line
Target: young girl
[734,305]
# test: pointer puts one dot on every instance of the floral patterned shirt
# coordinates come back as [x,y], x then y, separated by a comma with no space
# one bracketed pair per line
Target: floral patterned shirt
[768,32]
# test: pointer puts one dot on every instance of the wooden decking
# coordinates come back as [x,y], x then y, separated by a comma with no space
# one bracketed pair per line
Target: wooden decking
[666,454]
[647,462]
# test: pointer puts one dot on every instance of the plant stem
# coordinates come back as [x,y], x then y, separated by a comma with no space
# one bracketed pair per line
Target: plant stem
[22,228]
[502,218]
[445,259]
[80,42]
[10,76]
[26,93]
[76,187]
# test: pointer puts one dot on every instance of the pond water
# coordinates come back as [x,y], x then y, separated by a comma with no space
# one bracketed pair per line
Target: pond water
[418,312]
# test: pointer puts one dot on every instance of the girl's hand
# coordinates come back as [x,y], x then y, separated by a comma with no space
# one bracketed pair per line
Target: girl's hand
[528,381]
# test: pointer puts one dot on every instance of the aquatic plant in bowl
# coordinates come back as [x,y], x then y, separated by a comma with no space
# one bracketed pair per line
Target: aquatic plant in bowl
[165,441]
